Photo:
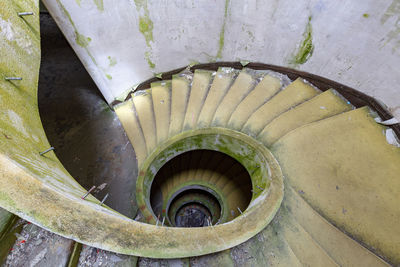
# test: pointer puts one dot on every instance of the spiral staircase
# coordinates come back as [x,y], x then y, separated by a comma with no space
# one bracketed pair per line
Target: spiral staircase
[239,164]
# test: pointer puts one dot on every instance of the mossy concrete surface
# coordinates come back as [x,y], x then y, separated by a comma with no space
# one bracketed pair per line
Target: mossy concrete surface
[259,162]
[38,188]
[99,227]
[29,182]
[21,132]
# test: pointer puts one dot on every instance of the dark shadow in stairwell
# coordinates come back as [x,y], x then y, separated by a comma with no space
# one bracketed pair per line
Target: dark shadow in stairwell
[88,137]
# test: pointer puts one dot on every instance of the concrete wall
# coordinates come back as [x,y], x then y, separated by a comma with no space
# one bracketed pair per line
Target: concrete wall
[124,42]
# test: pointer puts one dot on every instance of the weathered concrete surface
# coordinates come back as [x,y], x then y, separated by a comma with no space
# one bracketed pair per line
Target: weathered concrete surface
[37,247]
[21,132]
[93,257]
[122,43]
[146,262]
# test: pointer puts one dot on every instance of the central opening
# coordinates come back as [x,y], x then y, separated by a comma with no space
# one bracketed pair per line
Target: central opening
[194,208]
[200,188]
[193,215]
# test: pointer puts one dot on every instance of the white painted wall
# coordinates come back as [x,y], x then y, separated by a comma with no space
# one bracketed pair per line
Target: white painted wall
[356,43]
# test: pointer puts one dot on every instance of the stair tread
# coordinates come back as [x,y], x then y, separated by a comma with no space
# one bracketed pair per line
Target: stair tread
[214,161]
[223,167]
[179,96]
[351,174]
[160,93]
[268,248]
[302,244]
[127,115]
[294,94]
[338,245]
[230,175]
[144,109]
[203,163]
[222,258]
[263,91]
[322,106]
[346,152]
[242,85]
[220,85]
[198,93]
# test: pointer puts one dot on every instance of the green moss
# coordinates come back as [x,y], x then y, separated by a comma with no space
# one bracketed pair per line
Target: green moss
[141,4]
[112,61]
[221,41]
[4,198]
[82,40]
[148,59]
[237,145]
[366,15]
[146,28]
[99,4]
[78,2]
[393,35]
[306,48]
[109,76]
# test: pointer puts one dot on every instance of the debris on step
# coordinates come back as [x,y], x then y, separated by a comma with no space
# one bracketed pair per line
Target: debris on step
[39,247]
[146,262]
[94,257]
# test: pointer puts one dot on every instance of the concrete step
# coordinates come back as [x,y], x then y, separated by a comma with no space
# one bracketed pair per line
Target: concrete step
[242,85]
[180,95]
[201,84]
[220,85]
[161,98]
[345,167]
[128,117]
[324,105]
[265,89]
[295,93]
[144,109]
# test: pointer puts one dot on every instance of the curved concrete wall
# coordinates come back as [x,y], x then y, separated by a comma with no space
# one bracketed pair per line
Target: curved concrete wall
[122,43]
[25,175]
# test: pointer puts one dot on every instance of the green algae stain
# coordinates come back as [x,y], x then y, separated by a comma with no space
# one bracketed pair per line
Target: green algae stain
[4,198]
[221,41]
[146,28]
[141,4]
[109,76]
[78,2]
[82,40]
[306,48]
[366,15]
[392,11]
[99,4]
[151,64]
[111,61]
